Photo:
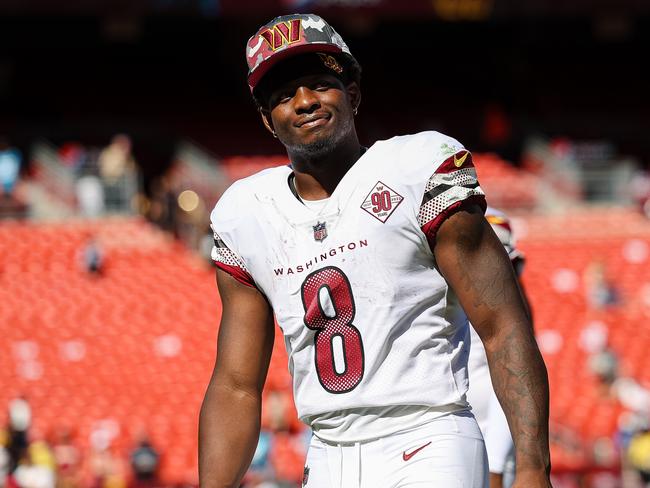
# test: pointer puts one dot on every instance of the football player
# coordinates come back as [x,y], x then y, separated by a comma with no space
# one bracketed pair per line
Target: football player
[481,396]
[369,258]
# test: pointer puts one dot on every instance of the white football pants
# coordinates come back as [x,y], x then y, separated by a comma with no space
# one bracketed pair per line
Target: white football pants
[446,453]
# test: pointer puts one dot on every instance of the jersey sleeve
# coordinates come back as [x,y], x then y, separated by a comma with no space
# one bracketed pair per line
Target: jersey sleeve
[452,186]
[225,255]
[230,262]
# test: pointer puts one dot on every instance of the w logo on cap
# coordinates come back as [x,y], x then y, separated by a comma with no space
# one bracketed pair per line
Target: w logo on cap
[282,33]
[289,35]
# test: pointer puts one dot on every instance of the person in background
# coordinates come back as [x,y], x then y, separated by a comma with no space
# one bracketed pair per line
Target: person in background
[10,160]
[604,364]
[638,454]
[92,257]
[481,396]
[105,468]
[20,420]
[72,154]
[38,468]
[116,162]
[600,289]
[640,190]
[145,461]
[32,474]
[89,189]
[260,469]
[163,210]
[68,459]
[5,459]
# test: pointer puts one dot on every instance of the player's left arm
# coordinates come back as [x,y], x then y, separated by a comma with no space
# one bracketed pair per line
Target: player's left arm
[473,261]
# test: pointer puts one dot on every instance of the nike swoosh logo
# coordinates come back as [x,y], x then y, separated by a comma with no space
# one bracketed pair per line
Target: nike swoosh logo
[459,162]
[406,456]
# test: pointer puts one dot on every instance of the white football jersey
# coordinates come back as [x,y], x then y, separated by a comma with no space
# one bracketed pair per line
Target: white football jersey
[368,320]
[480,383]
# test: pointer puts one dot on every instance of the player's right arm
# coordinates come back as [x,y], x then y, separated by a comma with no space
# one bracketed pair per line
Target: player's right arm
[229,424]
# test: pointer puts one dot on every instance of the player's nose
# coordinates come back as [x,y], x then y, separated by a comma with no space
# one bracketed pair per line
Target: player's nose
[306,100]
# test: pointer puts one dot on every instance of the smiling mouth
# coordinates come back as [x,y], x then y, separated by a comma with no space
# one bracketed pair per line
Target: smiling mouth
[313,121]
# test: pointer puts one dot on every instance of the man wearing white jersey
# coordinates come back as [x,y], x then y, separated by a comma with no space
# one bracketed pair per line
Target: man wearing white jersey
[485,405]
[370,259]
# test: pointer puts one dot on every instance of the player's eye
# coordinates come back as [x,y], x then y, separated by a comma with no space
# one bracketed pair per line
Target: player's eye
[282,97]
[321,86]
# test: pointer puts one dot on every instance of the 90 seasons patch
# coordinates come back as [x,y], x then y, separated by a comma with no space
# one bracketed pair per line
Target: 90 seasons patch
[381,202]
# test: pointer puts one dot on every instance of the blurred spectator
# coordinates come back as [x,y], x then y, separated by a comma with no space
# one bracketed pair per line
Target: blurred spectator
[73,155]
[604,364]
[287,458]
[68,460]
[116,159]
[106,469]
[260,470]
[36,468]
[89,189]
[145,461]
[10,160]
[593,337]
[30,475]
[600,290]
[633,396]
[164,205]
[115,163]
[275,415]
[630,423]
[192,216]
[640,187]
[639,455]
[604,452]
[40,453]
[92,257]
[5,462]
[20,419]
[287,451]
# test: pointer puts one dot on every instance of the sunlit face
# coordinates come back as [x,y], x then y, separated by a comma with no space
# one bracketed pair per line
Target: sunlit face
[313,113]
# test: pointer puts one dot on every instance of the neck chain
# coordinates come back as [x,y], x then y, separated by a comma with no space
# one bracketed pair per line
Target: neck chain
[292,179]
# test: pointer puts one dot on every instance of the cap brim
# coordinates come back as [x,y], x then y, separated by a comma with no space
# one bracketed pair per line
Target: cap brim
[265,66]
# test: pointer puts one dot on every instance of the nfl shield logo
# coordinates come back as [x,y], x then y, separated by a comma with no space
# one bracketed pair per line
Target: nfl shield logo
[320,231]
[305,476]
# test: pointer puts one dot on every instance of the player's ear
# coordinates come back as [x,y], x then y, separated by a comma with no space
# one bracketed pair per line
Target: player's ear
[354,95]
[266,120]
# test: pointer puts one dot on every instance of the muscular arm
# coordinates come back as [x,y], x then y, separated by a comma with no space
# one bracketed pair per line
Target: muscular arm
[229,424]
[476,266]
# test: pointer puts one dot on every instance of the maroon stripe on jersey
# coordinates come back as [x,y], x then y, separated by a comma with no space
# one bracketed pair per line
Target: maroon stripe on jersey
[462,159]
[430,229]
[505,225]
[239,274]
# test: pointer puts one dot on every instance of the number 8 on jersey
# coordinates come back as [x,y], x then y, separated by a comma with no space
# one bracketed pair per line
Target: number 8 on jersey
[329,310]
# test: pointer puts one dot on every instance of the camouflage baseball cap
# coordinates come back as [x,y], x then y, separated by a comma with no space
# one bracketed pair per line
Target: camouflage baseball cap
[286,36]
